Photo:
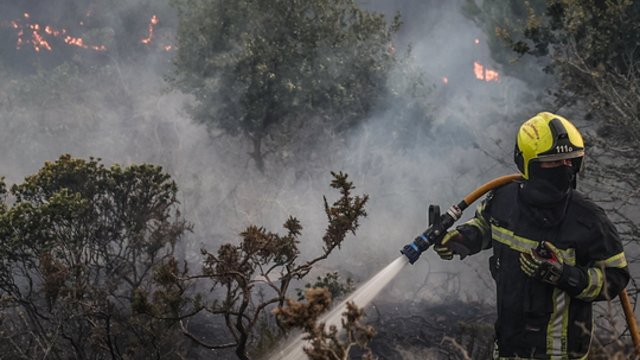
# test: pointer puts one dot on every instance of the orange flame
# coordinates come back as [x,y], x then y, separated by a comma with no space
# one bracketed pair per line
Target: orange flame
[478,69]
[38,33]
[41,35]
[38,41]
[491,75]
[152,23]
[19,42]
[74,41]
[16,25]
[485,74]
[53,32]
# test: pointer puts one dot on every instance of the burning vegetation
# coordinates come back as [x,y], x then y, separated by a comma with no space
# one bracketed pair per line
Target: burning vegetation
[41,36]
[483,73]
[480,71]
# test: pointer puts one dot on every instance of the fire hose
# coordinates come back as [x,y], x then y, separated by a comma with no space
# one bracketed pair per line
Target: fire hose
[438,225]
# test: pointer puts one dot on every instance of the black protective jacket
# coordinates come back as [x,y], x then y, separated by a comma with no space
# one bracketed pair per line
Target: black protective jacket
[537,320]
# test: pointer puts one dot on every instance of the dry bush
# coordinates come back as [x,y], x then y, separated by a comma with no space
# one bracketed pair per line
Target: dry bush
[331,343]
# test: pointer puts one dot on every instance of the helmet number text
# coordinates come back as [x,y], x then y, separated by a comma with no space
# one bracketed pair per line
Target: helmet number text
[564,148]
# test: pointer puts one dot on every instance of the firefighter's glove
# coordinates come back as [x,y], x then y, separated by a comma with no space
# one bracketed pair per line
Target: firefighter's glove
[453,243]
[544,263]
[445,251]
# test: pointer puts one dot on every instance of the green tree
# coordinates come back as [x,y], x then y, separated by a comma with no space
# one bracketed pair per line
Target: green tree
[265,69]
[79,243]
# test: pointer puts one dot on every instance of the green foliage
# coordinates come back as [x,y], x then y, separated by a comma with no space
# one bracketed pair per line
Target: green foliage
[603,32]
[265,69]
[79,248]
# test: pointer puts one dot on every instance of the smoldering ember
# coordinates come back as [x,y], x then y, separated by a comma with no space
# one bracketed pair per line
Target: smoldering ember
[344,179]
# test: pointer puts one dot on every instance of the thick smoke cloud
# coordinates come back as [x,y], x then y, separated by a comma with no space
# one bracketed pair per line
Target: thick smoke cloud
[125,113]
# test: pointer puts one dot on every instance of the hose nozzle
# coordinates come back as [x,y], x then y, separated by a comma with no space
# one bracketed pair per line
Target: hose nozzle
[414,249]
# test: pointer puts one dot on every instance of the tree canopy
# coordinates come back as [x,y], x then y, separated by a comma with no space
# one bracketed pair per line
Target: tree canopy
[78,245]
[266,69]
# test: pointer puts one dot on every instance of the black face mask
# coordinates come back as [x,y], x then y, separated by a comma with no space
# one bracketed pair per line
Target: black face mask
[560,177]
[547,194]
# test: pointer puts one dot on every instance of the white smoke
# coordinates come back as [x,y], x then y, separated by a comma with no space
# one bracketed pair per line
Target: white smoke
[126,114]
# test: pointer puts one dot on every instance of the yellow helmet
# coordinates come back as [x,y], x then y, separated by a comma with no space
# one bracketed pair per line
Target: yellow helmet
[547,137]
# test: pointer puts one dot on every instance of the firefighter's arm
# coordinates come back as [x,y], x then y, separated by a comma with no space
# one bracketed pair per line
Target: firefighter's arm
[607,273]
[468,238]
[600,282]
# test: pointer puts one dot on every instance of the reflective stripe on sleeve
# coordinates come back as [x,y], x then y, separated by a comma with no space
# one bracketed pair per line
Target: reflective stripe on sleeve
[480,224]
[594,285]
[616,261]
[479,221]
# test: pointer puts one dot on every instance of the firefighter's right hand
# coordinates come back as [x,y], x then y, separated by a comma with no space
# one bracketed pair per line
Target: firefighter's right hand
[444,248]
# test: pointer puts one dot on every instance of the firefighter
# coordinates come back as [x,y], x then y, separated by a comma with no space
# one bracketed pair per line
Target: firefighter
[554,251]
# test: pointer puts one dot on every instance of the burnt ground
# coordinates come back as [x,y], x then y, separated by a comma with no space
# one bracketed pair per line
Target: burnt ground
[411,331]
[450,330]
[455,330]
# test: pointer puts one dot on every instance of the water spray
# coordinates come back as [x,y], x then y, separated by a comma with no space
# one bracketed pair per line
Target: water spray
[369,290]
[361,297]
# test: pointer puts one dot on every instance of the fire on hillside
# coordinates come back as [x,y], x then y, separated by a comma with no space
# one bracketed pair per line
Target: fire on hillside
[41,37]
[480,71]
